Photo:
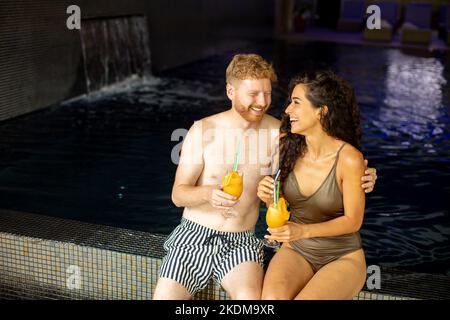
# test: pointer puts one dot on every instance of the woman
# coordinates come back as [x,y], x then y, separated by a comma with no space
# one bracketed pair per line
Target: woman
[321,255]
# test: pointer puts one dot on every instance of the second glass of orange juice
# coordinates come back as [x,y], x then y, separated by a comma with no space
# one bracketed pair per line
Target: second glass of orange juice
[233,184]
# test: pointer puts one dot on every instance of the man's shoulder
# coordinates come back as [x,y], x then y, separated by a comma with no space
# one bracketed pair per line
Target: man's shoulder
[271,122]
[212,119]
[206,122]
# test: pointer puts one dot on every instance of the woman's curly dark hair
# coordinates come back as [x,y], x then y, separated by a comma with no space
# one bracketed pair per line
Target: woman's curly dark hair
[342,121]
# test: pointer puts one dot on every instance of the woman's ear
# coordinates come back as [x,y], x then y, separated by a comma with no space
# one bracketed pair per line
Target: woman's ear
[323,111]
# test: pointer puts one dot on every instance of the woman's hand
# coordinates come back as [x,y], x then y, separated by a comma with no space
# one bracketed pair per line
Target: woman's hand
[289,232]
[266,189]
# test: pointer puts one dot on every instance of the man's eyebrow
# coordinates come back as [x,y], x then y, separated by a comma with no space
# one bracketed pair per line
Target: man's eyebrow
[296,98]
[258,91]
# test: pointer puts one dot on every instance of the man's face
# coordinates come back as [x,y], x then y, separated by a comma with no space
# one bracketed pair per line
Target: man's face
[251,98]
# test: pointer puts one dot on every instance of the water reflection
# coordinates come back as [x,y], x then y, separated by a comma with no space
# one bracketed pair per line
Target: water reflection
[413,96]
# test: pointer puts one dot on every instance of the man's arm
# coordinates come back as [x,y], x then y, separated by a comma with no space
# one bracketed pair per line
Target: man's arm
[185,192]
[369,178]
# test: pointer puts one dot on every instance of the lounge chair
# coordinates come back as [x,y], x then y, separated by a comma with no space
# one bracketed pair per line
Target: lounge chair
[388,23]
[416,27]
[352,15]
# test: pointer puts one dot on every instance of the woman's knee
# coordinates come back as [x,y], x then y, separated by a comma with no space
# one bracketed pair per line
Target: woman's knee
[274,294]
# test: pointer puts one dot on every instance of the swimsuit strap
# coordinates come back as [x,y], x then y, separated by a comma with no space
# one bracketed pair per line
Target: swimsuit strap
[337,154]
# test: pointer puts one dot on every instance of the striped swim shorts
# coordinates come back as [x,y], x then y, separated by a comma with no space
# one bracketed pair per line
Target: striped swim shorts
[196,253]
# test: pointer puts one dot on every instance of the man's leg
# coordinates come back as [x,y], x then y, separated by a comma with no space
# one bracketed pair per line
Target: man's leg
[244,282]
[168,289]
[240,272]
[187,266]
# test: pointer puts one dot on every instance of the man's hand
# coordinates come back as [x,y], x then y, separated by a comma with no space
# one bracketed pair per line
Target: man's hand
[369,179]
[219,199]
[265,189]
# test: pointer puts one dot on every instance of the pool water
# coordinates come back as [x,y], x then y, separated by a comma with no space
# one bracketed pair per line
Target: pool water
[106,158]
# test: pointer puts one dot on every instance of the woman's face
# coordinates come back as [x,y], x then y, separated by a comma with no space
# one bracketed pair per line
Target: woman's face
[303,116]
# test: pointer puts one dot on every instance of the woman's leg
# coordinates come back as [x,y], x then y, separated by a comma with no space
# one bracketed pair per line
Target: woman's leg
[340,279]
[287,274]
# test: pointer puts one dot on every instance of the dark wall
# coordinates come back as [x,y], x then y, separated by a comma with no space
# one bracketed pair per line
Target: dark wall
[328,13]
[41,61]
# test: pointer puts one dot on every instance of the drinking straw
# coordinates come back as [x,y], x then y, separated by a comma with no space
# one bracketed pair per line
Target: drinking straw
[274,195]
[237,155]
[278,194]
[277,174]
[274,184]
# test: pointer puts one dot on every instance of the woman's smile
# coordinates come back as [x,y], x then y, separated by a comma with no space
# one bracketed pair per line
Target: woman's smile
[294,121]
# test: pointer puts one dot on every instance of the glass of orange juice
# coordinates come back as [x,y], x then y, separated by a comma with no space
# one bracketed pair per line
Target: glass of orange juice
[277,214]
[233,184]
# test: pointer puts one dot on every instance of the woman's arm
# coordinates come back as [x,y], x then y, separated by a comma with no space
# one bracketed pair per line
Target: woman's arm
[350,169]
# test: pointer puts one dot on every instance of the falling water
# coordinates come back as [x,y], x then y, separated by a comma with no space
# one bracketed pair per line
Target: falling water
[114,49]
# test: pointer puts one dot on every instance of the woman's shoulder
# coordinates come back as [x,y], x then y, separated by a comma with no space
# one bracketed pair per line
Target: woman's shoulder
[351,158]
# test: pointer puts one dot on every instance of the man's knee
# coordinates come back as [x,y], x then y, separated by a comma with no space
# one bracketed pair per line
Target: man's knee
[247,294]
[244,281]
[167,289]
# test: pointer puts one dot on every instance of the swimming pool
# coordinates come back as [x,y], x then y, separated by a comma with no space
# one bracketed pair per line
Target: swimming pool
[106,159]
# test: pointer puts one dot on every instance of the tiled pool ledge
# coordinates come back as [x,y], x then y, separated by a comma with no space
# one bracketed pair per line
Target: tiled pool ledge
[43,257]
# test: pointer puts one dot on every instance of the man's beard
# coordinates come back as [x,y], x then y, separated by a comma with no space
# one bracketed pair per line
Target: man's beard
[248,114]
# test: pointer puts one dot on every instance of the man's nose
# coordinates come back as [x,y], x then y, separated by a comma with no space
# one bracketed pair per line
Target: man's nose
[262,100]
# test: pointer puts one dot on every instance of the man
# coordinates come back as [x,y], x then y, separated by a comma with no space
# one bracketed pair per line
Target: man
[208,242]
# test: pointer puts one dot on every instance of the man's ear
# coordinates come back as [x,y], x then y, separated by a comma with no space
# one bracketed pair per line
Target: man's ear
[231,91]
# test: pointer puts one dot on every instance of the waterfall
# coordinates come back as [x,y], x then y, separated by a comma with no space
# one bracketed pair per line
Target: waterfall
[114,49]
